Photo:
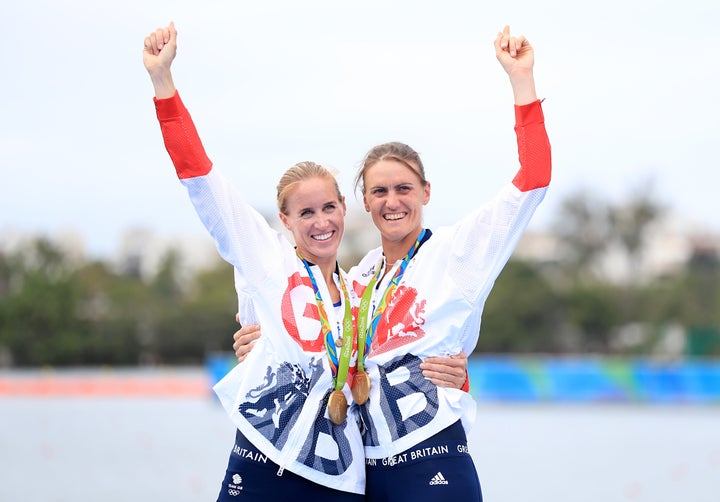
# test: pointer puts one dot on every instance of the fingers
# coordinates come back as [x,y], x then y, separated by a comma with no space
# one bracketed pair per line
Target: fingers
[443,379]
[245,335]
[249,329]
[149,46]
[243,345]
[242,352]
[445,371]
[159,38]
[453,362]
[244,340]
[450,372]
[504,42]
[172,33]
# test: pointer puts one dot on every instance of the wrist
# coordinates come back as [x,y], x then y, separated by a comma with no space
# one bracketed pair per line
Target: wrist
[523,86]
[162,82]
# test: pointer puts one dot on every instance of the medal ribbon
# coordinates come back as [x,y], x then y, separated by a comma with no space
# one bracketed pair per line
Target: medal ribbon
[366,335]
[339,365]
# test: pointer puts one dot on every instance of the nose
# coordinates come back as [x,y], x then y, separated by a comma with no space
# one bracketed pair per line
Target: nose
[391,200]
[322,220]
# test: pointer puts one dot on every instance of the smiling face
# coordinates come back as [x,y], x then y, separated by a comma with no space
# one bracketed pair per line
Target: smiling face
[394,195]
[316,217]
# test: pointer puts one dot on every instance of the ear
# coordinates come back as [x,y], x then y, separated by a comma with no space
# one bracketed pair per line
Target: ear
[344,206]
[285,221]
[365,203]
[426,194]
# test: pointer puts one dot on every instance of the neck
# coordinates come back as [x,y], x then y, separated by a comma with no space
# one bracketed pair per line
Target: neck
[396,250]
[327,273]
[327,268]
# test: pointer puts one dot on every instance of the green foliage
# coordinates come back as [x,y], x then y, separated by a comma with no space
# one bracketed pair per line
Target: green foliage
[37,321]
[56,312]
[593,310]
[521,313]
[205,320]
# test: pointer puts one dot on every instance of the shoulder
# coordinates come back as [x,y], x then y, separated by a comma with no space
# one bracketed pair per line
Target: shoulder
[363,271]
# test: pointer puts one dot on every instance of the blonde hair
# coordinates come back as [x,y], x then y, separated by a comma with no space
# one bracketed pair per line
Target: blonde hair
[396,151]
[300,172]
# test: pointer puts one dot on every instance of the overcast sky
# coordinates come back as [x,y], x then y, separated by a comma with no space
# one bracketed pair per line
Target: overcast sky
[627,85]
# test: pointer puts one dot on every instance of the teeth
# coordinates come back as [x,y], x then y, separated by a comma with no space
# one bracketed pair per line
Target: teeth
[322,237]
[394,216]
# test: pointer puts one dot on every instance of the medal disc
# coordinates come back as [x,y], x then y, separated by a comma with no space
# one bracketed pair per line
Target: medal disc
[337,407]
[361,387]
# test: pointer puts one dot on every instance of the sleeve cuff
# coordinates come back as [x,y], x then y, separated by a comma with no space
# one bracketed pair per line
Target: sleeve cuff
[169,108]
[466,385]
[529,114]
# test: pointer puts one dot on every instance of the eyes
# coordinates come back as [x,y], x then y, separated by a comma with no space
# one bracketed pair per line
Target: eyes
[328,208]
[380,191]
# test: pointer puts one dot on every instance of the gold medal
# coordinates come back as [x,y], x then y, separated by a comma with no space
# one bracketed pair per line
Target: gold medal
[361,387]
[337,407]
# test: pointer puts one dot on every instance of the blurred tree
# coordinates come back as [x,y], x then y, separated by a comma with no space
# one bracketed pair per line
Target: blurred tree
[166,283]
[702,302]
[583,229]
[630,222]
[205,319]
[37,318]
[591,311]
[521,314]
[112,307]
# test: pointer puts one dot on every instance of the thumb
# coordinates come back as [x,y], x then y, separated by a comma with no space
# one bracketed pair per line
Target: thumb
[173,32]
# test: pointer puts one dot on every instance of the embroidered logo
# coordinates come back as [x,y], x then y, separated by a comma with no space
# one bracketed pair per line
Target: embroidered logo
[402,321]
[438,479]
[300,314]
[235,487]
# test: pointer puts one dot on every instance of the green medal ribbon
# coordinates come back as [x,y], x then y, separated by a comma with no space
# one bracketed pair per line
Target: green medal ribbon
[366,335]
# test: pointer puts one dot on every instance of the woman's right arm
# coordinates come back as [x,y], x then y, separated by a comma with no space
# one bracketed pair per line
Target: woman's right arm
[179,133]
[242,236]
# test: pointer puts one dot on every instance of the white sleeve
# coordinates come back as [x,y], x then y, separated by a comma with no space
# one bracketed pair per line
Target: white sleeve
[242,236]
[482,242]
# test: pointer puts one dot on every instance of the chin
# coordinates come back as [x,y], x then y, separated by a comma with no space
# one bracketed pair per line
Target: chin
[326,249]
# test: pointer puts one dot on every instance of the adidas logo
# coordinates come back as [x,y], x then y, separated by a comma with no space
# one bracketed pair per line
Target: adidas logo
[438,479]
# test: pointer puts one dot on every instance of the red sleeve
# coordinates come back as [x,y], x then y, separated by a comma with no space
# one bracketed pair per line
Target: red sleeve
[533,148]
[181,138]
